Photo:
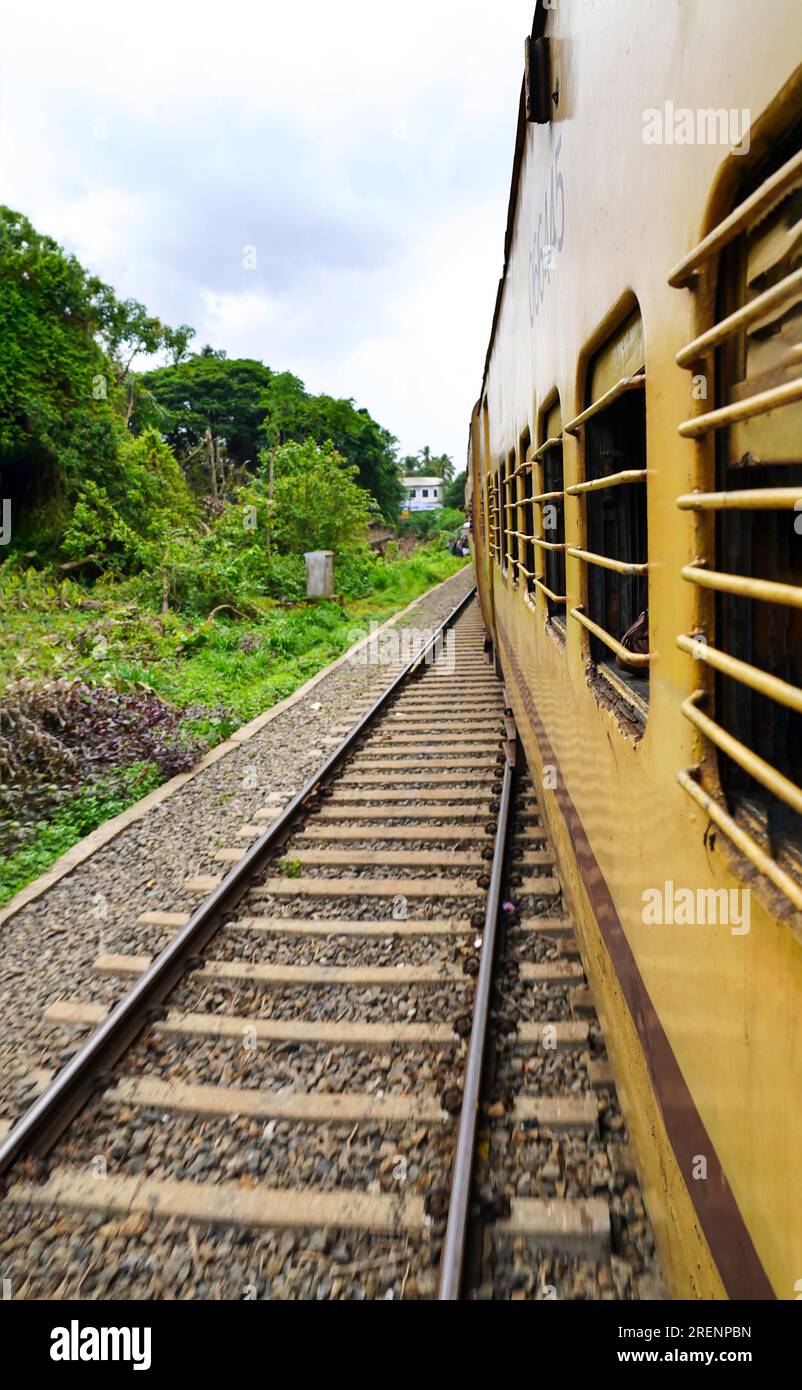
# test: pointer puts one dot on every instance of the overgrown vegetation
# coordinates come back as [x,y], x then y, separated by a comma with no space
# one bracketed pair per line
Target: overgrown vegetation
[70,821]
[153,590]
[139,695]
[440,522]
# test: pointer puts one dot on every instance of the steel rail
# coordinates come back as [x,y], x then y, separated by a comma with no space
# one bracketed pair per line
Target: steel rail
[453,1257]
[42,1124]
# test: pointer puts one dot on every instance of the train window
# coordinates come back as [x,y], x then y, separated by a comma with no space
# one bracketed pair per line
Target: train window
[613,493]
[748,566]
[552,514]
[501,477]
[512,518]
[526,524]
[492,517]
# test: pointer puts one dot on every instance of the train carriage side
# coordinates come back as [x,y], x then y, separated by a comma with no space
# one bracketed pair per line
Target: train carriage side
[636,481]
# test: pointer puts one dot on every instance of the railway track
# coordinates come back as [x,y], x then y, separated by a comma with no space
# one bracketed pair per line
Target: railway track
[283,1098]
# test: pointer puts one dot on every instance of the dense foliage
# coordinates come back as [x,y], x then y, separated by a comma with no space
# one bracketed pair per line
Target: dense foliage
[70,401]
[66,388]
[219,414]
[140,693]
[158,525]
[454,493]
[61,738]
[446,521]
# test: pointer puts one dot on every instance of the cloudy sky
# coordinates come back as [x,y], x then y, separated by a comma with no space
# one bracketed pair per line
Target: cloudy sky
[322,186]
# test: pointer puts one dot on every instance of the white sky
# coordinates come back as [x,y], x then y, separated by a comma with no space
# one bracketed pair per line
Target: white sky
[364,153]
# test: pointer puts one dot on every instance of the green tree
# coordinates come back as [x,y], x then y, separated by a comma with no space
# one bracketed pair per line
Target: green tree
[126,521]
[128,330]
[204,405]
[366,444]
[56,383]
[176,342]
[317,503]
[454,494]
[244,406]
[67,346]
[425,464]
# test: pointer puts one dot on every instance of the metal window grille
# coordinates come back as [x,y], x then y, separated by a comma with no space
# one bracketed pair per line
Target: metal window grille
[615,515]
[492,515]
[511,554]
[747,567]
[503,514]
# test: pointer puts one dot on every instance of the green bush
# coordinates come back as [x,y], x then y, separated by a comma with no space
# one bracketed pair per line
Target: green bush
[128,521]
[316,502]
[359,573]
[105,798]
[425,525]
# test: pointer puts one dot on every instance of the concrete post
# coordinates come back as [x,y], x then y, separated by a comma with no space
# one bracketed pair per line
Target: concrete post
[319,573]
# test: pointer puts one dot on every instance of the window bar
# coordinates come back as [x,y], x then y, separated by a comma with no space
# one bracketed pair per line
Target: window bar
[766,590]
[521,521]
[760,404]
[754,498]
[605,562]
[770,686]
[492,513]
[629,475]
[739,837]
[504,540]
[739,219]
[757,767]
[627,383]
[741,318]
[539,543]
[547,444]
[632,658]
[512,544]
[548,545]
[545,497]
[555,598]
[741,222]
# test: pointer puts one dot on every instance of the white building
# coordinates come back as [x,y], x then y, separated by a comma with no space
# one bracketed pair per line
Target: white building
[423,494]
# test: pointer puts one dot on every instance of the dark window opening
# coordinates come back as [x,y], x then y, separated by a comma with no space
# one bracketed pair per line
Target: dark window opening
[512,517]
[617,529]
[527,513]
[554,528]
[763,452]
[501,478]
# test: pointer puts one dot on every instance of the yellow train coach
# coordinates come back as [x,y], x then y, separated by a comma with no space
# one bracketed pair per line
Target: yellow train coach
[635,490]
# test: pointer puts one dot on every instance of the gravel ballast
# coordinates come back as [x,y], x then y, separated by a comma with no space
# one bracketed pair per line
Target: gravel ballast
[48,946]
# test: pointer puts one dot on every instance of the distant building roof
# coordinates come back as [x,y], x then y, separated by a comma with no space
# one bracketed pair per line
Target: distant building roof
[422,482]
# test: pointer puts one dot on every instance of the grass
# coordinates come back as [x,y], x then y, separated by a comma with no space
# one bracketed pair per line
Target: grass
[221,672]
[72,821]
[242,665]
